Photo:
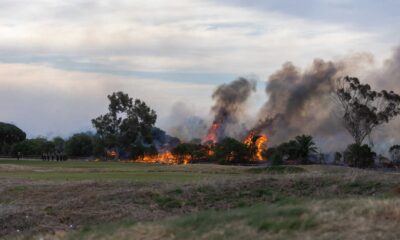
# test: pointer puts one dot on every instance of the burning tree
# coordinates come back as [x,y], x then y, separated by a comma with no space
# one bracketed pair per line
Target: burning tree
[363,109]
[256,145]
[127,122]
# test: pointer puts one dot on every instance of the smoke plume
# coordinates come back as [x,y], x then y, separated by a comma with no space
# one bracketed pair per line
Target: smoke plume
[301,102]
[229,105]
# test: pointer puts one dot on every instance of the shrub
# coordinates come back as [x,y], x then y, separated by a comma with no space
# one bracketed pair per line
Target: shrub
[230,150]
[195,151]
[274,156]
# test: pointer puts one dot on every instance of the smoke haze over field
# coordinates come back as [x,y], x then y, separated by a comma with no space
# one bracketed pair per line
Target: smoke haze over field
[60,59]
[301,101]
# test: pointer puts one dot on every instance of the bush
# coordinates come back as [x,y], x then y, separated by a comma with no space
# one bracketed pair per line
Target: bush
[274,156]
[139,150]
[230,150]
[195,151]
[360,156]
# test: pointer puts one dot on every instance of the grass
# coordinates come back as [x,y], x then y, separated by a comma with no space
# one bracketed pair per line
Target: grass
[106,171]
[106,176]
[261,219]
[111,200]
[278,170]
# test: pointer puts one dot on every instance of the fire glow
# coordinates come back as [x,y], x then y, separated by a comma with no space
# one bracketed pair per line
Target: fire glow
[212,135]
[164,158]
[259,142]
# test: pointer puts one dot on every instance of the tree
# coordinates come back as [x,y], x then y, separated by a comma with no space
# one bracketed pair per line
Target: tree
[35,146]
[288,150]
[305,146]
[9,135]
[360,156]
[127,122]
[59,144]
[230,150]
[79,145]
[363,109]
[298,149]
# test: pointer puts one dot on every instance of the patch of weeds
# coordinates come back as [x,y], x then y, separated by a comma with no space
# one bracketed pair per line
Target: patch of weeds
[168,202]
[204,189]
[281,200]
[305,187]
[278,170]
[271,218]
[49,210]
[287,225]
[264,192]
[241,204]
[100,230]
[283,219]
[16,189]
[177,191]
[361,187]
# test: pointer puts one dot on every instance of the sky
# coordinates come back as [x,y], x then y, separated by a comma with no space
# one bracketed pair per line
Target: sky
[60,59]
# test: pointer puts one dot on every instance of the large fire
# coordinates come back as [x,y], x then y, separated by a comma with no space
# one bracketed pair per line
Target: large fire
[212,135]
[165,158]
[259,142]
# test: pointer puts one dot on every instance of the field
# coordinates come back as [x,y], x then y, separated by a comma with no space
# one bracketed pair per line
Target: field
[104,200]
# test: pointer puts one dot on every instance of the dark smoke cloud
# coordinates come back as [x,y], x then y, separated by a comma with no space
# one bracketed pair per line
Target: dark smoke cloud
[229,103]
[300,101]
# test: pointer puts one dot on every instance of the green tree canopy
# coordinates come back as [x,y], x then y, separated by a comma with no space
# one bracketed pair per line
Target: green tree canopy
[79,145]
[360,156]
[128,121]
[305,146]
[10,134]
[35,146]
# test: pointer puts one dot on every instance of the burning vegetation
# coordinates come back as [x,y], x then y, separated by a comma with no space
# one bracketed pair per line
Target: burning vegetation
[299,101]
[165,158]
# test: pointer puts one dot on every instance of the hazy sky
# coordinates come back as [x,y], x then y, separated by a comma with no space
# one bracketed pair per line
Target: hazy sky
[59,59]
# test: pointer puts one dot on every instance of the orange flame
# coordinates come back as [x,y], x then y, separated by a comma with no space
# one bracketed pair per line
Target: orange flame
[164,158]
[259,142]
[112,154]
[212,135]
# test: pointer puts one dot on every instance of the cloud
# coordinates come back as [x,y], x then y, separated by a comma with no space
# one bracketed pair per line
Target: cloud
[59,59]
[47,101]
[183,35]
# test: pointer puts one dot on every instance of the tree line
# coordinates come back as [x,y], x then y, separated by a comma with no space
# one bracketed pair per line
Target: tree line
[128,128]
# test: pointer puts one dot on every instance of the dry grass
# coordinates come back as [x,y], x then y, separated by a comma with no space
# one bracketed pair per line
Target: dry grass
[343,203]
